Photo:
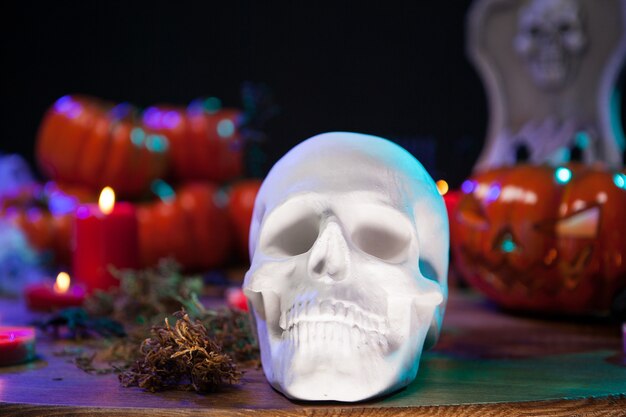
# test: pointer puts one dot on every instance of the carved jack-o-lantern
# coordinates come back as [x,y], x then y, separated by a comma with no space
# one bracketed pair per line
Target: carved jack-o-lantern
[543,239]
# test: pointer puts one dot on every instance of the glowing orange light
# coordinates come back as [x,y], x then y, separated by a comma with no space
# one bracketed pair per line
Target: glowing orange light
[442,187]
[62,283]
[106,202]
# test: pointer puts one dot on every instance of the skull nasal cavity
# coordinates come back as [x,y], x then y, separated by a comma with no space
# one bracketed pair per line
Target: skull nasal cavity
[330,256]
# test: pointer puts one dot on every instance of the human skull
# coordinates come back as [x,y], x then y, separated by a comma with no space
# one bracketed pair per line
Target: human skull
[349,248]
[551,40]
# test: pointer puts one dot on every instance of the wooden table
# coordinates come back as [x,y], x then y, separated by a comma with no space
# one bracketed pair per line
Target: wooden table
[486,362]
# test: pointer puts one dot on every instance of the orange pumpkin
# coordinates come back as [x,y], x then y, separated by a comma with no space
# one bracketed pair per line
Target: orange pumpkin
[240,207]
[204,145]
[45,216]
[192,226]
[542,239]
[84,141]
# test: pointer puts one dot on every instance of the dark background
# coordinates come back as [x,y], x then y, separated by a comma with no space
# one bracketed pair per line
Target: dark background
[393,69]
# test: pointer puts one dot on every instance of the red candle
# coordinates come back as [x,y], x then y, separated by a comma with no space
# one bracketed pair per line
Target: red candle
[17,345]
[104,235]
[46,296]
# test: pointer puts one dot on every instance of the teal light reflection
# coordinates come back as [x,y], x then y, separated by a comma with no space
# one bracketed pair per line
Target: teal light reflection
[137,136]
[507,245]
[157,143]
[583,140]
[163,190]
[563,175]
[225,128]
[212,104]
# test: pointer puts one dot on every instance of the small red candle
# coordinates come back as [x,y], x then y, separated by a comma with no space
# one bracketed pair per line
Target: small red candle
[104,235]
[46,297]
[17,345]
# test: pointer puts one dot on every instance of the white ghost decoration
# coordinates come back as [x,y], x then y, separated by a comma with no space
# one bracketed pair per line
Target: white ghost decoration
[349,258]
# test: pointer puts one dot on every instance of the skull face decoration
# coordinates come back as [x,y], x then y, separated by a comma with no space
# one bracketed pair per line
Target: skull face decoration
[349,246]
[551,40]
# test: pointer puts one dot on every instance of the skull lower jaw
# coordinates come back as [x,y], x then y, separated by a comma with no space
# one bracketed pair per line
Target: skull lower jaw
[331,370]
[320,361]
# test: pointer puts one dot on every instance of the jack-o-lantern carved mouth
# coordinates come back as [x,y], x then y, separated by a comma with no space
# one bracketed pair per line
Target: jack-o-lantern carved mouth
[334,322]
[503,274]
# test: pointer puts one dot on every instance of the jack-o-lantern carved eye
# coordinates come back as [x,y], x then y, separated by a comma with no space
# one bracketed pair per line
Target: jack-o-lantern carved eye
[583,224]
[472,214]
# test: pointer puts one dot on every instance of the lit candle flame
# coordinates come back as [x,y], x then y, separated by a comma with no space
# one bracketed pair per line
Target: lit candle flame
[63,283]
[442,187]
[107,200]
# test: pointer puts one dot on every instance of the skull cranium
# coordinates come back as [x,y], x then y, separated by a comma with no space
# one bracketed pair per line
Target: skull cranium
[551,40]
[349,248]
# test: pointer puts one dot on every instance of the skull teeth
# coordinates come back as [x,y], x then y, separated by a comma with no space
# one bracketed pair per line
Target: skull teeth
[329,311]
[325,335]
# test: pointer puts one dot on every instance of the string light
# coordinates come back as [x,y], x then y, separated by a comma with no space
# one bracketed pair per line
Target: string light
[563,175]
[442,187]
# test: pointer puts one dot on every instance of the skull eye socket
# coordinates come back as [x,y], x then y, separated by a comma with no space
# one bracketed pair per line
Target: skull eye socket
[565,27]
[290,232]
[534,30]
[383,243]
[383,233]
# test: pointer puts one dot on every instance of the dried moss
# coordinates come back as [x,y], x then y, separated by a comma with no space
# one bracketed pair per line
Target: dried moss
[200,352]
[146,296]
[232,329]
[181,357]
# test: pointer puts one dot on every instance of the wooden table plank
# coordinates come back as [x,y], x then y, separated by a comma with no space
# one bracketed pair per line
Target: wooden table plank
[486,360]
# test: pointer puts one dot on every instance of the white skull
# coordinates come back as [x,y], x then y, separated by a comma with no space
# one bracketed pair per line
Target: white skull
[349,247]
[551,40]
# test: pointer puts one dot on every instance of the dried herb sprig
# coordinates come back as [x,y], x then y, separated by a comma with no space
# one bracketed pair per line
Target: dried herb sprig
[146,296]
[232,329]
[75,323]
[182,357]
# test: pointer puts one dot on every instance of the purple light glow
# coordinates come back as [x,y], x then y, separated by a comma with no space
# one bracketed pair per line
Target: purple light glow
[468,186]
[121,111]
[11,212]
[493,193]
[82,212]
[34,214]
[60,203]
[195,107]
[65,105]
[152,118]
[171,119]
